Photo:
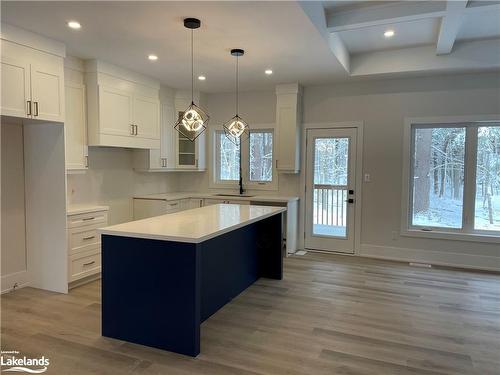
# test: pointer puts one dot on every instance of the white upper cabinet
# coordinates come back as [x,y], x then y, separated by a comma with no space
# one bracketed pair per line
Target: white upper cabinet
[146,117]
[75,127]
[115,112]
[288,127]
[162,159]
[47,92]
[15,87]
[189,155]
[32,80]
[123,107]
[176,153]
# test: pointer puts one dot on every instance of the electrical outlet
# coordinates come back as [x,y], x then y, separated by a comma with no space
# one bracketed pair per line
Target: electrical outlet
[367,177]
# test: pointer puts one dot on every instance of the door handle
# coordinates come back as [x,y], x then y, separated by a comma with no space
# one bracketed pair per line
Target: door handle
[28,108]
[36,108]
[350,200]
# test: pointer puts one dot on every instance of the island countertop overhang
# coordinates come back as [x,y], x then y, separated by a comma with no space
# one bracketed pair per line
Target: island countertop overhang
[194,226]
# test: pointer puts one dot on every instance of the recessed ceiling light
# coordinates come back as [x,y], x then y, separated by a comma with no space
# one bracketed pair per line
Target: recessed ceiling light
[74,25]
[268,72]
[153,57]
[389,33]
[202,78]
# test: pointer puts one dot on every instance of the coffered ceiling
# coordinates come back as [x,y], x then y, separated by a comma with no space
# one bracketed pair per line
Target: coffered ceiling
[310,42]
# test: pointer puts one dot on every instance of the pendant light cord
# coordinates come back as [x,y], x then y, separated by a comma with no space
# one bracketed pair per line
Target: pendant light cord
[237,85]
[192,67]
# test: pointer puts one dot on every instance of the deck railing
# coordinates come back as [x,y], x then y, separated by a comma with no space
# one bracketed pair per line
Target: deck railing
[329,207]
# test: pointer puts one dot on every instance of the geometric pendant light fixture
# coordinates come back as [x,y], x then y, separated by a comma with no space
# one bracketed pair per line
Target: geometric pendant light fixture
[236,129]
[194,120]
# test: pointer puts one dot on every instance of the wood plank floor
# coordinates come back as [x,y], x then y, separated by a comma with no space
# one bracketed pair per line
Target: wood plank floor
[330,315]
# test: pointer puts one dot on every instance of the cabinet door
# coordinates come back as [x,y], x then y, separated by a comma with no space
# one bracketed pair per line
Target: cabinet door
[167,121]
[47,92]
[15,87]
[147,117]
[75,127]
[115,112]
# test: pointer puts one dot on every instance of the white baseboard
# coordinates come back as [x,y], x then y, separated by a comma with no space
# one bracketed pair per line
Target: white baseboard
[8,281]
[439,258]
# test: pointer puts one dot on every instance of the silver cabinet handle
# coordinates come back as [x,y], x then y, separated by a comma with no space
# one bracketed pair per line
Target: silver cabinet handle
[132,131]
[88,218]
[89,263]
[88,238]
[28,108]
[276,163]
[36,108]
[173,204]
[136,129]
[86,161]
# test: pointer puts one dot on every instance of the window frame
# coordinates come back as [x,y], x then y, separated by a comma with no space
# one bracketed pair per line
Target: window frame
[215,183]
[467,231]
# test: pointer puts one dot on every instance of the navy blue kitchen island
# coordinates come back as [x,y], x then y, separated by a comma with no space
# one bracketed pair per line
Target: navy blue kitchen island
[163,276]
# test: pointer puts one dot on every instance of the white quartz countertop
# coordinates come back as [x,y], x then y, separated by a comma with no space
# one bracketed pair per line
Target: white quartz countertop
[186,195]
[195,225]
[75,209]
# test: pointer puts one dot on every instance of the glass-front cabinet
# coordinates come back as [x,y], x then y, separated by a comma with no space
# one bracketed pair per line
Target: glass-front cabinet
[190,155]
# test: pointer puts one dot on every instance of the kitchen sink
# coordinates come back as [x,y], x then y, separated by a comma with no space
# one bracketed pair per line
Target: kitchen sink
[234,195]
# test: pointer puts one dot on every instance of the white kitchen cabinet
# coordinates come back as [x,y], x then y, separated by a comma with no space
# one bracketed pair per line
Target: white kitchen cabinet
[162,159]
[47,92]
[144,208]
[75,127]
[189,155]
[32,83]
[15,87]
[84,242]
[115,112]
[123,107]
[288,128]
[146,116]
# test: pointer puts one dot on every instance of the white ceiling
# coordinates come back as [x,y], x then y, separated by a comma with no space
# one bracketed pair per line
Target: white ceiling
[275,35]
[310,42]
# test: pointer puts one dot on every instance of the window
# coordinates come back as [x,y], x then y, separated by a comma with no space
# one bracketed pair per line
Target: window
[258,164]
[454,179]
[261,156]
[228,158]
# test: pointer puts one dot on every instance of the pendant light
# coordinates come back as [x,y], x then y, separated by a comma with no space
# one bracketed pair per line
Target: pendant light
[236,129]
[193,121]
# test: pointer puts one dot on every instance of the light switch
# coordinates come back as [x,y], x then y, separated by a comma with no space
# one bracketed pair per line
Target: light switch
[367,177]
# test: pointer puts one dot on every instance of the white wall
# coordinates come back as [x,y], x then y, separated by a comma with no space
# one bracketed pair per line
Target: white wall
[111,180]
[13,231]
[382,105]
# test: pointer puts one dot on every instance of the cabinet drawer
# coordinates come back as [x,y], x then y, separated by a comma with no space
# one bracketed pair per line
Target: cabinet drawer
[83,238]
[98,217]
[84,265]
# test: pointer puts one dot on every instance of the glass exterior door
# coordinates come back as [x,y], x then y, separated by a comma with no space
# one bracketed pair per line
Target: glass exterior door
[330,189]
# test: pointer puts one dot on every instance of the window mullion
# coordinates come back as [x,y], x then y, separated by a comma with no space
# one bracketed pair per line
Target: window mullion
[470,178]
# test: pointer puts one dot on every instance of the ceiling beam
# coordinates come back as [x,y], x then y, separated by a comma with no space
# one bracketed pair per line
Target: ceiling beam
[316,13]
[384,14]
[450,25]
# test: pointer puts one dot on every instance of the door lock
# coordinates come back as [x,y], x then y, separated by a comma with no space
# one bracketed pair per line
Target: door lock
[350,200]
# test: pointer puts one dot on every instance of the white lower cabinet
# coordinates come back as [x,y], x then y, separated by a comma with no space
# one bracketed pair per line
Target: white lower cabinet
[84,243]
[144,208]
[210,201]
